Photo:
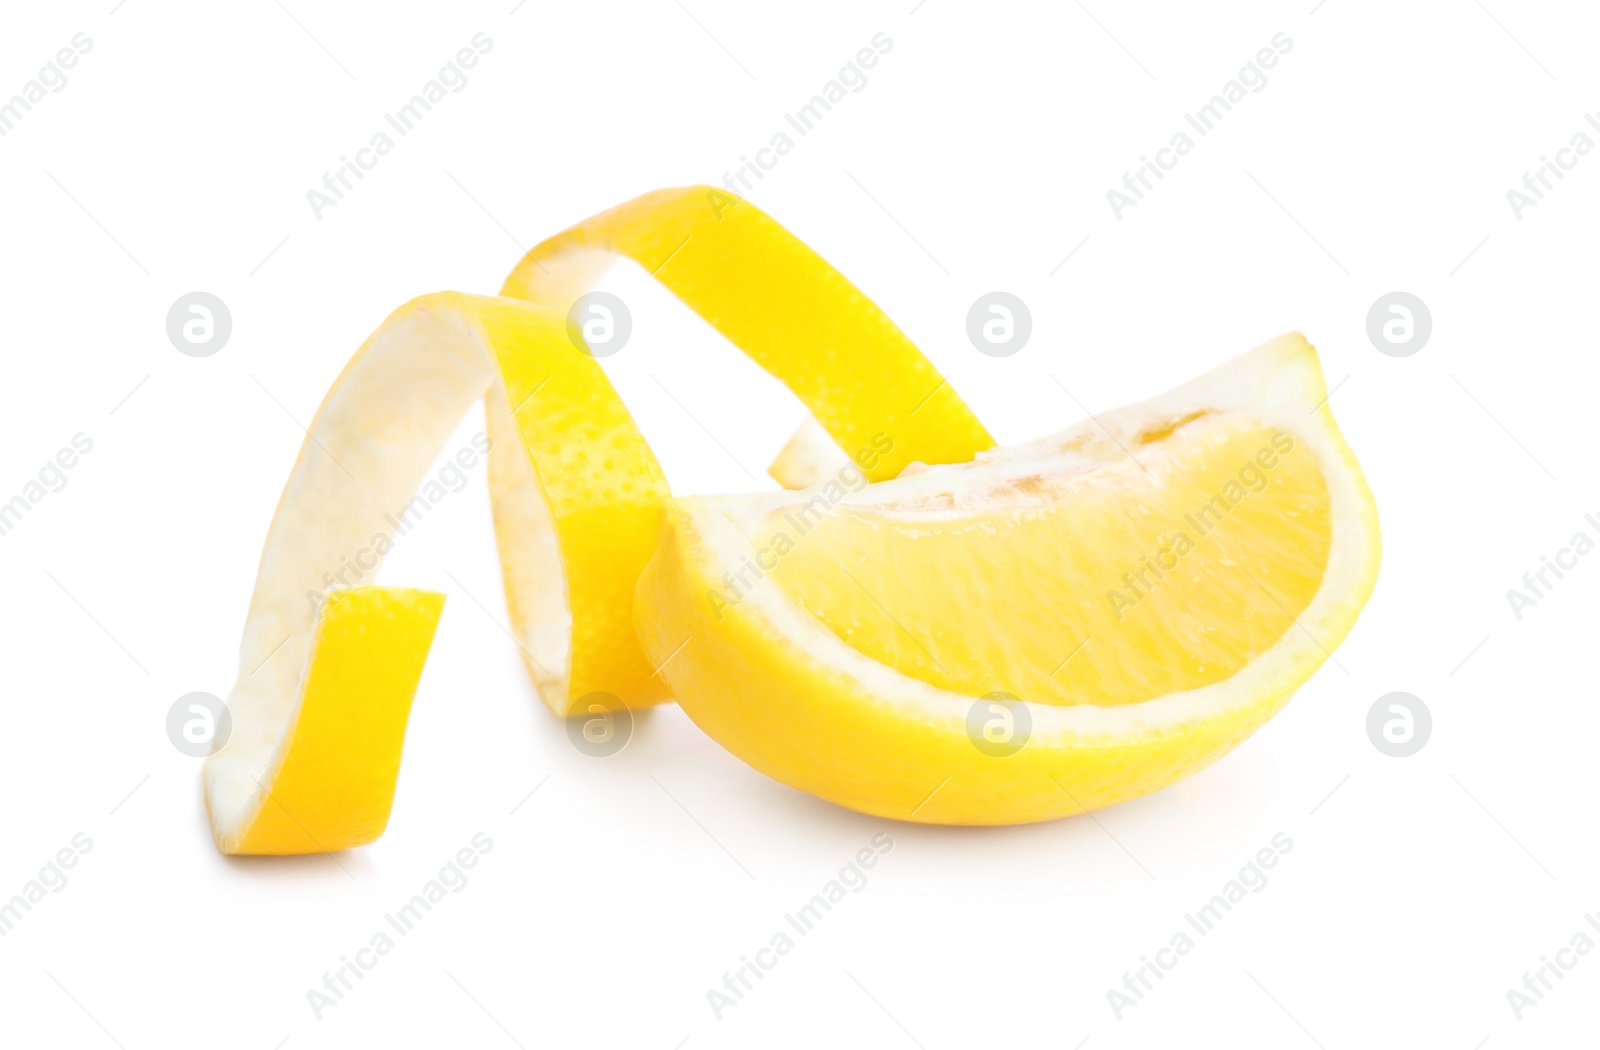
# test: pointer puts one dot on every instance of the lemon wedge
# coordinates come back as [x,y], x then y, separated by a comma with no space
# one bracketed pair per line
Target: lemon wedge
[1044,630]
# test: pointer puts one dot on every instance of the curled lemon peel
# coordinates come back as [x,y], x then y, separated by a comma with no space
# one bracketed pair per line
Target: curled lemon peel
[329,662]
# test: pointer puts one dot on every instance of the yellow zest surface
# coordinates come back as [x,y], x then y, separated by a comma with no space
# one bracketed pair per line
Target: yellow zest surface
[338,773]
[780,302]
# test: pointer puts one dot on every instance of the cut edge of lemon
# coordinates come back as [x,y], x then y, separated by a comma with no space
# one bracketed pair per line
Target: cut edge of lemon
[839,724]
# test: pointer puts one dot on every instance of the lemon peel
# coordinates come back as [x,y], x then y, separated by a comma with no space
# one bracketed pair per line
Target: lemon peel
[326,680]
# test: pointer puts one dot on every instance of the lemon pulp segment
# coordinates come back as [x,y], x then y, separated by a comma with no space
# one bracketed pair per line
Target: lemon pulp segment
[1138,574]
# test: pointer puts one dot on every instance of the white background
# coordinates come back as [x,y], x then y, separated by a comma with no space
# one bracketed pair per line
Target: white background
[978,156]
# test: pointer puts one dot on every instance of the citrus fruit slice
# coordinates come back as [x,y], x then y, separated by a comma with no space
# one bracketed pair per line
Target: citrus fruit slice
[330,662]
[1047,629]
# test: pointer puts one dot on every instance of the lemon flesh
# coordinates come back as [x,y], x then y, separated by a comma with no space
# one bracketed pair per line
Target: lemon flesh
[1088,578]
[842,641]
